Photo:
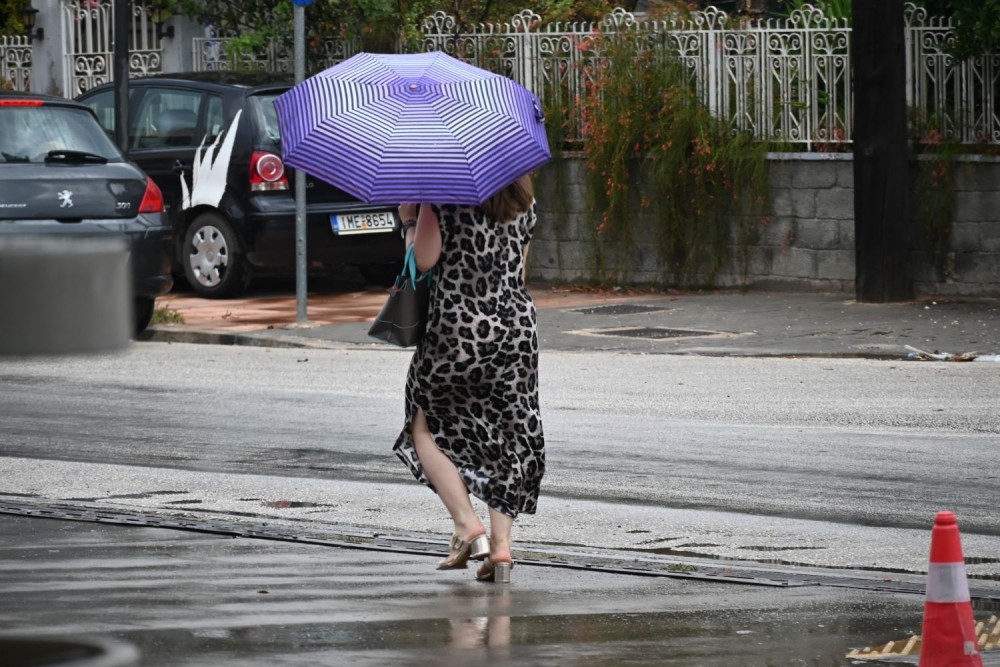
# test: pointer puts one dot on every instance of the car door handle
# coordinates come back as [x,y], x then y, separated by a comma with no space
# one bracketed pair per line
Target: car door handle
[179,167]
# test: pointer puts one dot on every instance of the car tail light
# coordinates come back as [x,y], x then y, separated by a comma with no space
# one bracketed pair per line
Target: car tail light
[21,103]
[267,172]
[152,201]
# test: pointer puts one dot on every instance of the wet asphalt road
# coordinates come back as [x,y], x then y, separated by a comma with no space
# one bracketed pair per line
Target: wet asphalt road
[835,462]
[186,599]
[839,463]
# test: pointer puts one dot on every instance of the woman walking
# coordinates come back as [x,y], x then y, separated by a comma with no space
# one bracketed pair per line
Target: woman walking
[472,418]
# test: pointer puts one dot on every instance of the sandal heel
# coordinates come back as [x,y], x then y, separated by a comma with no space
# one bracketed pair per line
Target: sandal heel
[501,572]
[479,548]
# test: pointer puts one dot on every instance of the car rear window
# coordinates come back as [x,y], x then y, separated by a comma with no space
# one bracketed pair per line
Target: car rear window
[267,118]
[28,133]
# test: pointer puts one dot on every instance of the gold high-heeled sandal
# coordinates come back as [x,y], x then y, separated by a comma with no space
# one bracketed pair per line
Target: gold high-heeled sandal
[477,548]
[498,572]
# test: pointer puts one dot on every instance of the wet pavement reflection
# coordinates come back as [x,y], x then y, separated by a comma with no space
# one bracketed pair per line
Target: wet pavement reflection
[185,598]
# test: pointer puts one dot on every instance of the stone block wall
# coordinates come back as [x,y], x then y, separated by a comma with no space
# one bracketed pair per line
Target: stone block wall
[807,243]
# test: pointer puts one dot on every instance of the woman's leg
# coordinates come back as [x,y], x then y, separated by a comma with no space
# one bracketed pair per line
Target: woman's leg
[500,528]
[443,474]
[497,566]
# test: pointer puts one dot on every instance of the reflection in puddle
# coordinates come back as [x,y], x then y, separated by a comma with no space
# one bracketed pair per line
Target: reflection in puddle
[492,632]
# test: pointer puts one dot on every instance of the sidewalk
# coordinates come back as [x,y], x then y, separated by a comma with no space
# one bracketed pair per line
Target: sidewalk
[714,323]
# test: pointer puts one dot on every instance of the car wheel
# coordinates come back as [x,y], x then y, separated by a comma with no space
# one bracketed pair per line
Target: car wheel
[144,306]
[382,274]
[214,263]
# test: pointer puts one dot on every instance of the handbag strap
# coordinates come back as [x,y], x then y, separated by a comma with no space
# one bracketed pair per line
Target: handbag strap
[410,265]
[410,268]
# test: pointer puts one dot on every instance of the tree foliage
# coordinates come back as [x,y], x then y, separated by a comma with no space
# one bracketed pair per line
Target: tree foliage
[380,24]
[657,156]
[977,25]
[10,17]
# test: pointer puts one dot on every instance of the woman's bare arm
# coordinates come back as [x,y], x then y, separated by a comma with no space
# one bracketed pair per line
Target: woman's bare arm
[427,239]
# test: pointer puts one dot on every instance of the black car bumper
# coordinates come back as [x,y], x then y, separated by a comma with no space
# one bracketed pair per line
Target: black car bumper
[270,235]
[151,261]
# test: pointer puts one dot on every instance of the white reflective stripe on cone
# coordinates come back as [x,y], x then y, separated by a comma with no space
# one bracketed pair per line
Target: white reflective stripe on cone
[946,582]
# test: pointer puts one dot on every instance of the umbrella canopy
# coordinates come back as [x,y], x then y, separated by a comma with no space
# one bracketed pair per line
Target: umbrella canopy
[420,127]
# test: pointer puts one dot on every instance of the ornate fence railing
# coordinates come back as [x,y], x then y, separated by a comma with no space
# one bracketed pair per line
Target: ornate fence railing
[786,80]
[15,63]
[957,99]
[210,54]
[88,44]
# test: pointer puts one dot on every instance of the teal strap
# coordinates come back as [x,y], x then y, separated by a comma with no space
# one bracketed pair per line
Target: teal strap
[410,265]
[410,268]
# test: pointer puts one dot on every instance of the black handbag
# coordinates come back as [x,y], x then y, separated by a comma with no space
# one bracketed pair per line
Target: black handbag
[403,318]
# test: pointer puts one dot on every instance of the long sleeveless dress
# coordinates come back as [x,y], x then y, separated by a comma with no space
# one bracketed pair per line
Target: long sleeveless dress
[475,372]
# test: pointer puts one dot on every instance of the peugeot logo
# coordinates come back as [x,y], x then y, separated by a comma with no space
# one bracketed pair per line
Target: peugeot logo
[65,199]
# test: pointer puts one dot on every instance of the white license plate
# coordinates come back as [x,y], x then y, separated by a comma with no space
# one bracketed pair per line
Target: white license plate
[362,223]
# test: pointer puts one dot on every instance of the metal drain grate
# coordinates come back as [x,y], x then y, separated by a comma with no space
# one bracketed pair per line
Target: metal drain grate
[619,309]
[656,333]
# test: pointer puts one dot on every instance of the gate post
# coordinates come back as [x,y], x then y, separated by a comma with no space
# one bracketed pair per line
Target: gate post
[48,60]
[178,51]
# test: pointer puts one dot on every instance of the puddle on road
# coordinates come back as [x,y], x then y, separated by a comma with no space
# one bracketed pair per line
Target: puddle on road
[809,636]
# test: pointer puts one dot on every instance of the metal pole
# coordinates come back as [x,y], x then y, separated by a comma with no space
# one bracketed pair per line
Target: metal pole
[120,71]
[300,180]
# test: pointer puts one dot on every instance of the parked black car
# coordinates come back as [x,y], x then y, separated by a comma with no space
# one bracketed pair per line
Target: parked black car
[211,141]
[61,174]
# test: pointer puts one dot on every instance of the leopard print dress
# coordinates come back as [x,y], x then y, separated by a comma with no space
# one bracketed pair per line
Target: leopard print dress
[475,372]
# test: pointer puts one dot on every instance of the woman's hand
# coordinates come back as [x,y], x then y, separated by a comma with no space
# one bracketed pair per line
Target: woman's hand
[408,220]
[407,212]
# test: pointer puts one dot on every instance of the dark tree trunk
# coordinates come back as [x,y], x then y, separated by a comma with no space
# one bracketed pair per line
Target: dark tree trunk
[882,222]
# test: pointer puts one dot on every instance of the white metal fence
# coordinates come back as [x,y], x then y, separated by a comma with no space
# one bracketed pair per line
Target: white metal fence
[88,44]
[15,63]
[783,79]
[210,54]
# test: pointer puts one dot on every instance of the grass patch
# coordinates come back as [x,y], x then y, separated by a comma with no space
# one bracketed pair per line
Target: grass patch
[166,315]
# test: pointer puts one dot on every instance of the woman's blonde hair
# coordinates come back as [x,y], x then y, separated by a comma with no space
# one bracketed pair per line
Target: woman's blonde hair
[512,201]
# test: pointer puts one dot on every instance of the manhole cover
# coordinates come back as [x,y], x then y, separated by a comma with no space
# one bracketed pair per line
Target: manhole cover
[653,332]
[619,309]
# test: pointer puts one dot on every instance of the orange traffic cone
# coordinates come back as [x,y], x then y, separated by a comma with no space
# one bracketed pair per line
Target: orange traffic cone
[949,634]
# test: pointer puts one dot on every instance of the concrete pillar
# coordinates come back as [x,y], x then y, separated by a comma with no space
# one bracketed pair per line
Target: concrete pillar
[177,51]
[48,62]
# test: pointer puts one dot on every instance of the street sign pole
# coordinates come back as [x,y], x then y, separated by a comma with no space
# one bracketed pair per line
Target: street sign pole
[120,71]
[301,265]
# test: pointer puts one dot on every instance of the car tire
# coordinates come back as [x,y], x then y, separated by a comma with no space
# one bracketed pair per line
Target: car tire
[144,306]
[214,262]
[382,274]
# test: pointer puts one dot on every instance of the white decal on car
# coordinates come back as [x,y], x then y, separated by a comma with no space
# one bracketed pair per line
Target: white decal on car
[65,199]
[210,168]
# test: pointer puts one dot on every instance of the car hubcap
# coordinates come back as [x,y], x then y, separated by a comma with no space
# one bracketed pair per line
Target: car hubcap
[209,256]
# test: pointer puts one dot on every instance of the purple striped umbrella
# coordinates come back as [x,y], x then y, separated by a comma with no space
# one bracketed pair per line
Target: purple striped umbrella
[421,127]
